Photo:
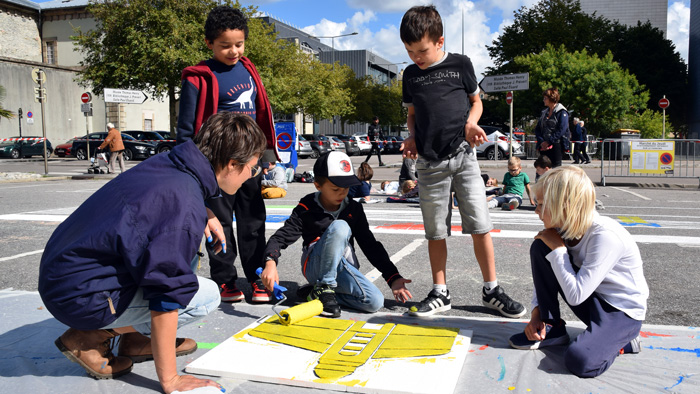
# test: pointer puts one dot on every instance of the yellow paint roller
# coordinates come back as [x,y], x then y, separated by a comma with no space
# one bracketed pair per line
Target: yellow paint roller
[300,312]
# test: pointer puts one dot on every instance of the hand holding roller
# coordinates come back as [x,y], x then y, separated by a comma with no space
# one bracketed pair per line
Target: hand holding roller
[297,313]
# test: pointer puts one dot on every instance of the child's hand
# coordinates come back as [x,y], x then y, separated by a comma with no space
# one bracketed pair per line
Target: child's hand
[408,147]
[214,232]
[270,276]
[401,293]
[535,329]
[474,134]
[532,202]
[551,238]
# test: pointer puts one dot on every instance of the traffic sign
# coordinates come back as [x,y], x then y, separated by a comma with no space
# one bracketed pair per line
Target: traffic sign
[505,83]
[85,108]
[124,96]
[86,98]
[38,75]
[509,98]
[664,103]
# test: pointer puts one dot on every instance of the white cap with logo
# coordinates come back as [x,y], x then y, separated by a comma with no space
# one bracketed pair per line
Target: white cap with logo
[337,167]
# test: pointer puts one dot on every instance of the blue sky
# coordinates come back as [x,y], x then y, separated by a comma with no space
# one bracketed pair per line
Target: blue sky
[377,22]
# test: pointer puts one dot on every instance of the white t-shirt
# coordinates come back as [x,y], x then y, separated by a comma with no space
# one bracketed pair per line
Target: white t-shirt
[610,265]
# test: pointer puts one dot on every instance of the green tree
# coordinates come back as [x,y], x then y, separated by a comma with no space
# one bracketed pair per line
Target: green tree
[641,49]
[593,88]
[370,99]
[4,113]
[649,123]
[144,45]
[557,22]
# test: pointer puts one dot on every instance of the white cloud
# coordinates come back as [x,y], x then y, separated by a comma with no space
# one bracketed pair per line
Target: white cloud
[386,41]
[678,26]
[386,5]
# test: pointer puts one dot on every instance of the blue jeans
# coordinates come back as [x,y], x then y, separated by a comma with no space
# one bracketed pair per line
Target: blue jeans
[500,200]
[205,301]
[328,265]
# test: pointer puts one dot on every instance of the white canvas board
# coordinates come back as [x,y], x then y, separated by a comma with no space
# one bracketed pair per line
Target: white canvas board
[289,365]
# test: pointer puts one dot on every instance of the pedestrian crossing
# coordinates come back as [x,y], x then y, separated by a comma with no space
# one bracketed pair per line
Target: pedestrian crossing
[522,225]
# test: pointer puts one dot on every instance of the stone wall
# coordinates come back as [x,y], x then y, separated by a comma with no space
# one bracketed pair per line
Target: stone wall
[19,34]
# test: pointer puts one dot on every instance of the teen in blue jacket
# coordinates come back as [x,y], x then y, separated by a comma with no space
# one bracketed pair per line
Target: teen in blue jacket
[122,263]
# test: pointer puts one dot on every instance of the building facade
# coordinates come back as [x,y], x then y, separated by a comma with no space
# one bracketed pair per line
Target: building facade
[694,72]
[629,12]
[37,36]
[362,62]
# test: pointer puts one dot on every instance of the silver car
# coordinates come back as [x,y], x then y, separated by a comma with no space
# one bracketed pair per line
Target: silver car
[497,145]
[304,149]
[338,144]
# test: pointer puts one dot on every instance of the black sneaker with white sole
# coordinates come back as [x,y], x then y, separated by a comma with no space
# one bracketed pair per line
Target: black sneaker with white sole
[326,295]
[501,302]
[433,303]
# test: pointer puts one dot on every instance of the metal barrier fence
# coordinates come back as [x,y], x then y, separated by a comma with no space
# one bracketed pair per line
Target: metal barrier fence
[533,153]
[647,158]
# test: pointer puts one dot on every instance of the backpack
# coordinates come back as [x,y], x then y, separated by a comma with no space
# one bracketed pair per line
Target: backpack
[305,177]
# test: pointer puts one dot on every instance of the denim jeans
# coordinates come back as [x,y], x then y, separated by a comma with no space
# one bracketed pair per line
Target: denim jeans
[205,301]
[327,264]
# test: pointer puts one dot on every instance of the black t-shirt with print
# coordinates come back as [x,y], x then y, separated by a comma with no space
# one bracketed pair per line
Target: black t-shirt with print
[440,97]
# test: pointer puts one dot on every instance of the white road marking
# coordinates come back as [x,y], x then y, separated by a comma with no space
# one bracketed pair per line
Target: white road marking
[408,249]
[8,258]
[631,192]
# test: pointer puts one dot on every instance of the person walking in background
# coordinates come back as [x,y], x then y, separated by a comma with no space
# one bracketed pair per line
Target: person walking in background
[116,147]
[579,137]
[229,82]
[374,133]
[552,127]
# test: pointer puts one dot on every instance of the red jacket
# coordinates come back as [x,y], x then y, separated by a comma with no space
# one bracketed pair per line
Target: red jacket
[199,99]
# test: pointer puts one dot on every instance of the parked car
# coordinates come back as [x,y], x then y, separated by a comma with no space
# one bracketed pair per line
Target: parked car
[319,143]
[351,146]
[304,149]
[365,144]
[18,147]
[63,150]
[133,149]
[393,144]
[162,145]
[338,144]
[166,135]
[497,145]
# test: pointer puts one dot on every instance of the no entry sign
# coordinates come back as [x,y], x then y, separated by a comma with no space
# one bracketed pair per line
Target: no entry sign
[86,97]
[664,103]
[509,98]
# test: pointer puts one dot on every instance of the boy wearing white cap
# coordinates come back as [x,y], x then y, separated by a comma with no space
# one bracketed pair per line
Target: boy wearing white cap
[329,224]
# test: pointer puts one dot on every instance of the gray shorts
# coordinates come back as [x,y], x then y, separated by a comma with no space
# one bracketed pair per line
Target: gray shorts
[459,173]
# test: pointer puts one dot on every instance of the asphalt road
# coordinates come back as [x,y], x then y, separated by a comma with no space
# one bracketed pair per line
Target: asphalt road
[664,220]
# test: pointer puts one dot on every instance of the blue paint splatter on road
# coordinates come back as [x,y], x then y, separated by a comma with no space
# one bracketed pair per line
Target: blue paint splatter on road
[678,349]
[680,380]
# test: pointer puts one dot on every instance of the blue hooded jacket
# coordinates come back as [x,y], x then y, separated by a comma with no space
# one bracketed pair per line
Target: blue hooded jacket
[142,229]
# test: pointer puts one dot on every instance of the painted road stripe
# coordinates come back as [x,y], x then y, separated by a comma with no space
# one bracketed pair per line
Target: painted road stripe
[631,192]
[408,249]
[8,258]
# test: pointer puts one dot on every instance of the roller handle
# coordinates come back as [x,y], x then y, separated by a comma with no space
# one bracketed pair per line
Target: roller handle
[278,290]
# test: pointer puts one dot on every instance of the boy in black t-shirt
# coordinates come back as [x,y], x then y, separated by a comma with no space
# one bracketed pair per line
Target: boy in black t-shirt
[442,97]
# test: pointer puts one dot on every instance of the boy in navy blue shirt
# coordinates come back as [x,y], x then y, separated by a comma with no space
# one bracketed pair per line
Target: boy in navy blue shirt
[229,82]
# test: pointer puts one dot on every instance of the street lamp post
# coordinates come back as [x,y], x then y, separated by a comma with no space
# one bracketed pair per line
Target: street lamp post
[333,43]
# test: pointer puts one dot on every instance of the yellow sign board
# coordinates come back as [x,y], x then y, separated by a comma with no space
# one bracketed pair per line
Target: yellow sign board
[652,157]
